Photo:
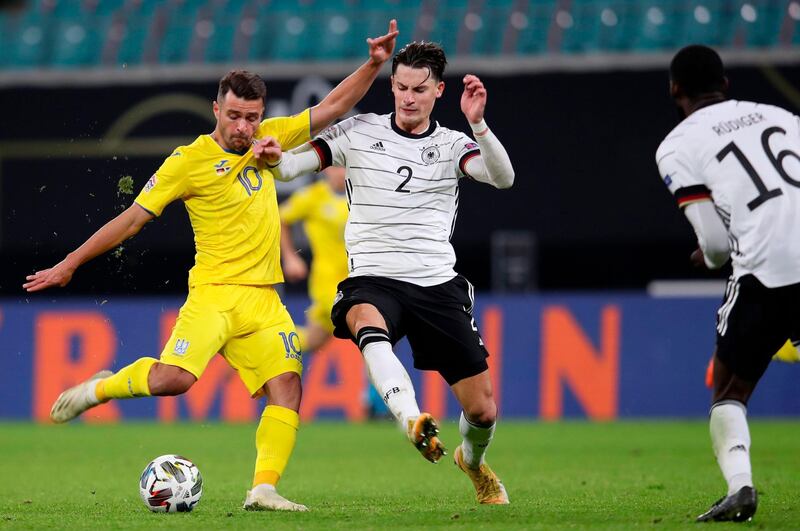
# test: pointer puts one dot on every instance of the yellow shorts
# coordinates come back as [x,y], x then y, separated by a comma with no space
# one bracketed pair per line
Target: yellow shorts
[248,325]
[322,294]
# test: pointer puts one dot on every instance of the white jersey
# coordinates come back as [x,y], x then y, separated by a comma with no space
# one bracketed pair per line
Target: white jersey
[745,157]
[402,190]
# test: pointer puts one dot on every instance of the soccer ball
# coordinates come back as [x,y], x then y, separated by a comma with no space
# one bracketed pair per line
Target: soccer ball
[170,484]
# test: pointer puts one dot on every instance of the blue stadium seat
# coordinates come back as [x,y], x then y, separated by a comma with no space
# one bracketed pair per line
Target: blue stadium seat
[78,41]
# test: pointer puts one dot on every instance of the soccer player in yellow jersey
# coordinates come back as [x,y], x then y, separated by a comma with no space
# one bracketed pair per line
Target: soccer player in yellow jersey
[322,208]
[232,307]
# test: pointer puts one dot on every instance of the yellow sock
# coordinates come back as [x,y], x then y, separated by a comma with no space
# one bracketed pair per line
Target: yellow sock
[275,438]
[128,382]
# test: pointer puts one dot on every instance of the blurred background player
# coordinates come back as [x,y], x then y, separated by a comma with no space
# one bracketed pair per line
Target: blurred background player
[403,171]
[734,168]
[322,209]
[232,307]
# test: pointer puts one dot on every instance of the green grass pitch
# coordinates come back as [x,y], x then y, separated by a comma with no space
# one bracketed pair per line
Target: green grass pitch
[568,475]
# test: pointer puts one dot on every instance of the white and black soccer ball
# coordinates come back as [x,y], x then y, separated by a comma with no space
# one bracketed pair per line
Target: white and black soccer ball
[171,484]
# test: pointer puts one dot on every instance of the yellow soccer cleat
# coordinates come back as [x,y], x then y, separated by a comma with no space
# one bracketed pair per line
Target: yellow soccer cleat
[422,432]
[489,490]
[266,498]
[77,399]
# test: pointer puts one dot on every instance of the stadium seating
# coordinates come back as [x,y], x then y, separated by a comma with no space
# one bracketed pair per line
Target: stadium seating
[80,33]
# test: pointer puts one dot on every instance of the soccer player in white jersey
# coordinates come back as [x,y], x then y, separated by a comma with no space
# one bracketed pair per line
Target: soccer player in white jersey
[734,169]
[403,171]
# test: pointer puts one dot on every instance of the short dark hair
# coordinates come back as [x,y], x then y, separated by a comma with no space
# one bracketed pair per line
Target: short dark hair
[243,84]
[421,54]
[697,70]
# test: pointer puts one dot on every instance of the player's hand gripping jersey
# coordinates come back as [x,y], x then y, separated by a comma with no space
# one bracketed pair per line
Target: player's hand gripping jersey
[745,157]
[231,203]
[402,190]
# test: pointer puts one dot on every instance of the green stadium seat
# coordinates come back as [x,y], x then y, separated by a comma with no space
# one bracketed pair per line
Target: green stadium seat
[78,41]
[178,33]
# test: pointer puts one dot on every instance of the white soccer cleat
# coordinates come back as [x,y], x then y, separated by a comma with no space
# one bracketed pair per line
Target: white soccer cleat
[77,399]
[264,498]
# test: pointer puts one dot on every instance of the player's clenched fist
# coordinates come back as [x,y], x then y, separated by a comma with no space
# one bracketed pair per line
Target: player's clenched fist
[267,150]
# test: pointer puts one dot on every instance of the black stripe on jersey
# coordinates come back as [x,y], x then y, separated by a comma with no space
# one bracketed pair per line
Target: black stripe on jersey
[366,168]
[455,216]
[358,118]
[323,152]
[402,207]
[348,188]
[401,251]
[394,239]
[355,131]
[665,155]
[462,162]
[393,224]
[393,190]
[418,163]
[690,194]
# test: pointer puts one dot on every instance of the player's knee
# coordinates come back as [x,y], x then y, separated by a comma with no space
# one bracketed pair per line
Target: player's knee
[481,413]
[169,380]
[285,390]
[363,315]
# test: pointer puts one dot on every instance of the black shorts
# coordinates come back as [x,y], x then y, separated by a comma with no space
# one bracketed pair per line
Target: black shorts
[437,320]
[753,322]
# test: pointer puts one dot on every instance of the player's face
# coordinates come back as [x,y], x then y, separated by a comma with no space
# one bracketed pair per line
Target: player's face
[415,93]
[237,121]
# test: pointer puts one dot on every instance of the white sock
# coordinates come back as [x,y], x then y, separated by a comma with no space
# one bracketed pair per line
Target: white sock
[730,438]
[265,487]
[391,380]
[90,394]
[476,440]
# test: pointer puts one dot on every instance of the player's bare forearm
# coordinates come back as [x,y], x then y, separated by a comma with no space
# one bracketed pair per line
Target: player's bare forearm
[107,237]
[294,267]
[350,91]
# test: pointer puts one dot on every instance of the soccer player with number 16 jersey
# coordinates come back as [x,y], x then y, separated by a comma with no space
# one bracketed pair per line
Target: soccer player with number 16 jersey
[734,168]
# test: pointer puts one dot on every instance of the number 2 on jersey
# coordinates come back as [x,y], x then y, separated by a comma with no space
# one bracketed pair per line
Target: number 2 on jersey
[400,170]
[777,161]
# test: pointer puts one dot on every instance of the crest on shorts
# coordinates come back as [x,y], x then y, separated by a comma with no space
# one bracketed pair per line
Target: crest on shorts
[430,155]
[181,345]
[339,296]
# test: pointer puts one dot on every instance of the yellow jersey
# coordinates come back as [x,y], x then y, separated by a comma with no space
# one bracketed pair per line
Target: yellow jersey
[324,215]
[231,202]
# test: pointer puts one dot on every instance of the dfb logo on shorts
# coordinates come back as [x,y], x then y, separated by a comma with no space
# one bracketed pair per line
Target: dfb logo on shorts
[181,345]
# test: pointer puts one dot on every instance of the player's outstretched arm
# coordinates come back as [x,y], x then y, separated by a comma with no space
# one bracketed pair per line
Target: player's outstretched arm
[493,166]
[350,91]
[109,236]
[289,165]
